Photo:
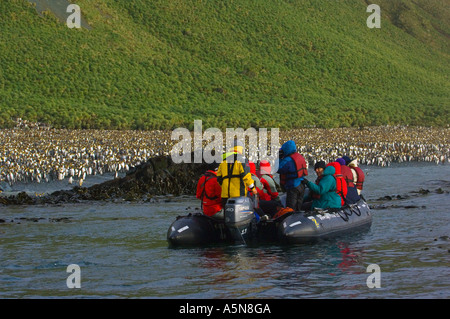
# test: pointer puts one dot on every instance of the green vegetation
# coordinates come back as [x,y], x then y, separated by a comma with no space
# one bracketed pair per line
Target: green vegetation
[235,63]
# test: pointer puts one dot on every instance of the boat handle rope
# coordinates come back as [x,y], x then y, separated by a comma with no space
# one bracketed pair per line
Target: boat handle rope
[354,208]
[345,217]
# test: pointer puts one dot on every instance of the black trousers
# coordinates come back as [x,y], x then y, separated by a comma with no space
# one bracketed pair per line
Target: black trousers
[352,195]
[294,197]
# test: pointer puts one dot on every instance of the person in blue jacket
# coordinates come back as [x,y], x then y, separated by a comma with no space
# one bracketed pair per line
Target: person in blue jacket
[326,189]
[292,169]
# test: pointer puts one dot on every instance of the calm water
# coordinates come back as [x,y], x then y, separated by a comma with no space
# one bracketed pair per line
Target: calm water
[122,251]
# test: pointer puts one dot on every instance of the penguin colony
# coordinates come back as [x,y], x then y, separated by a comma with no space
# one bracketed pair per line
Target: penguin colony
[32,152]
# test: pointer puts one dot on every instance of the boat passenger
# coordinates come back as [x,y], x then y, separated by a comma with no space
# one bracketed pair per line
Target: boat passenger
[341,184]
[264,208]
[257,182]
[310,196]
[292,169]
[266,178]
[209,191]
[358,174]
[319,168]
[326,189]
[267,205]
[234,175]
[352,193]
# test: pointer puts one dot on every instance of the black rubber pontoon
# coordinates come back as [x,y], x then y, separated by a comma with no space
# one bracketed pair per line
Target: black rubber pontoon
[241,225]
[301,227]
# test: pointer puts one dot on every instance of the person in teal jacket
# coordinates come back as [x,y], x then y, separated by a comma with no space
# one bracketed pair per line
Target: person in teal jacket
[326,189]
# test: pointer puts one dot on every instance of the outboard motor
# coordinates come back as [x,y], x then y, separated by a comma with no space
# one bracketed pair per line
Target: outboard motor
[240,218]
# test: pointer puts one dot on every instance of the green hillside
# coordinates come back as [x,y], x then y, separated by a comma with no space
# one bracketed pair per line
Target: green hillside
[235,63]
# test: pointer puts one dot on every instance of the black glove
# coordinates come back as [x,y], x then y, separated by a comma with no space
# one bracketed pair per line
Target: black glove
[305,182]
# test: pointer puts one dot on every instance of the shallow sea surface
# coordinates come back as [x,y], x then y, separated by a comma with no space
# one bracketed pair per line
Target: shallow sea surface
[122,251]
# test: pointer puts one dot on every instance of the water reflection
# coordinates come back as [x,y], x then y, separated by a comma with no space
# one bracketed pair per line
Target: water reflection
[279,271]
[351,257]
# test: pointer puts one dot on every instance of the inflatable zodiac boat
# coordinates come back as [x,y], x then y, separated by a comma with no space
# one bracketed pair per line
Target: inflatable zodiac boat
[241,225]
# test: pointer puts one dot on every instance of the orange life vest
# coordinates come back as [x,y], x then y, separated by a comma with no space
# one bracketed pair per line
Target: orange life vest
[300,166]
[341,184]
[360,179]
[348,175]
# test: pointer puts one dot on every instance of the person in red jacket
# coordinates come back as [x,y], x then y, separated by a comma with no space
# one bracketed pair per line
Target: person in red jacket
[257,182]
[346,172]
[266,178]
[266,206]
[341,184]
[358,174]
[352,193]
[209,191]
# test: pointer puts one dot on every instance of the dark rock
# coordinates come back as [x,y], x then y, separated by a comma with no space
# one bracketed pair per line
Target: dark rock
[441,191]
[158,176]
[422,191]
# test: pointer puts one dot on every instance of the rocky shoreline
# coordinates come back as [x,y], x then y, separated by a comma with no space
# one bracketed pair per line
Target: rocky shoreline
[158,176]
